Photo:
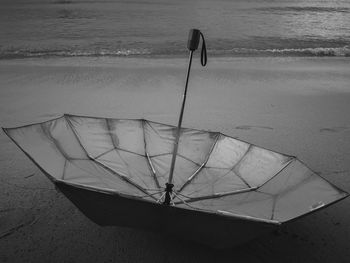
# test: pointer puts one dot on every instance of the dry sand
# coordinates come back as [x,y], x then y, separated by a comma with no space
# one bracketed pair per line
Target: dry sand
[298,106]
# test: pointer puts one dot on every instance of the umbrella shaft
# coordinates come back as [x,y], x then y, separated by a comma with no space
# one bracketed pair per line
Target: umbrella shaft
[176,144]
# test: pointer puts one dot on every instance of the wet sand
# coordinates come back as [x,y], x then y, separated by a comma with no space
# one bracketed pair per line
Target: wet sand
[298,106]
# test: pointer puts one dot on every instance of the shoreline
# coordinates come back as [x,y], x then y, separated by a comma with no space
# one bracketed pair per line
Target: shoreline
[164,58]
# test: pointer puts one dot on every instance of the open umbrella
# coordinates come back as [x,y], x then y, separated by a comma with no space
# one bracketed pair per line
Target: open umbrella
[199,185]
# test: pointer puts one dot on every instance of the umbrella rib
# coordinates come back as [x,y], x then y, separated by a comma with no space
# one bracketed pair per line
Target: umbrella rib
[150,164]
[218,195]
[161,197]
[248,217]
[153,171]
[273,207]
[189,180]
[156,193]
[105,167]
[64,169]
[182,200]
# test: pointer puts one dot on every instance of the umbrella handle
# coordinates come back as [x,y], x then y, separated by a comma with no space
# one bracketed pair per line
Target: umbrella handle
[192,45]
[193,42]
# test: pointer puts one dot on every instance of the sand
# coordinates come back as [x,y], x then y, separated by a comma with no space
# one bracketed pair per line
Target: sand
[298,106]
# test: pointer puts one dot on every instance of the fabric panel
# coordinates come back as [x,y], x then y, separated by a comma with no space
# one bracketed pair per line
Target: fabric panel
[196,145]
[259,165]
[290,176]
[159,138]
[93,134]
[88,173]
[227,152]
[253,204]
[128,135]
[33,140]
[64,138]
[132,166]
[310,194]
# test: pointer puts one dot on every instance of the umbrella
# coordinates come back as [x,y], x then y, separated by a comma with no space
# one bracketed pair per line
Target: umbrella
[200,185]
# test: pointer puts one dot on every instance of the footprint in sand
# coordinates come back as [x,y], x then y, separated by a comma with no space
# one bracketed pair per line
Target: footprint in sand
[335,129]
[249,127]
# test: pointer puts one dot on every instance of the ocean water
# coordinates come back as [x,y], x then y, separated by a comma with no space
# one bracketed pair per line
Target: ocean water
[41,28]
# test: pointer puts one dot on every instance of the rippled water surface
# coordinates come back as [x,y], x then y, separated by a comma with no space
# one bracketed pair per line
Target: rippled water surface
[159,27]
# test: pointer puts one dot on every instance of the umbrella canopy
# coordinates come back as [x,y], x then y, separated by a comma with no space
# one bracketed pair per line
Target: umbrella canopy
[214,173]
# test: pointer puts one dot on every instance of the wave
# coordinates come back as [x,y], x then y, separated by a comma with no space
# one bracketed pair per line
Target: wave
[77,53]
[144,52]
[308,9]
[308,52]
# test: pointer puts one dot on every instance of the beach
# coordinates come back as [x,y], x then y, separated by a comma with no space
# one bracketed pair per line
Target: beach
[294,105]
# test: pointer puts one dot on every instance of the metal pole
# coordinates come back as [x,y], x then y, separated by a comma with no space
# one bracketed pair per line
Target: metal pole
[170,185]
